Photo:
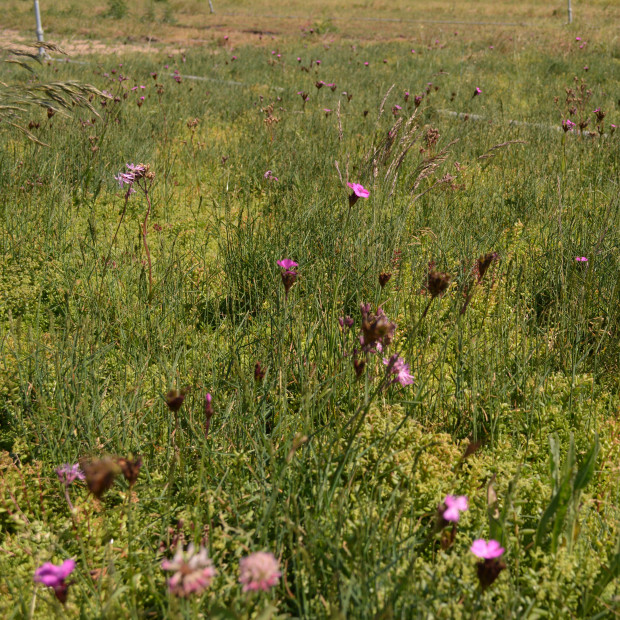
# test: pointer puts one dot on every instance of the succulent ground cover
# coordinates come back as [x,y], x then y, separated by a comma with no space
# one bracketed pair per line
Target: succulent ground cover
[313,324]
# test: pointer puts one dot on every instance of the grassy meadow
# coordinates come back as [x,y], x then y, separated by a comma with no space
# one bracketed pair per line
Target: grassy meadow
[120,311]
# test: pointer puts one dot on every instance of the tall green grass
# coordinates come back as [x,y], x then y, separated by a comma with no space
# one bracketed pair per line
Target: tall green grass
[339,477]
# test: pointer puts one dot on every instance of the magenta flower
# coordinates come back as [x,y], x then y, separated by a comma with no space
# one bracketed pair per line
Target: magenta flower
[287,264]
[366,64]
[397,366]
[193,571]
[270,176]
[581,259]
[68,474]
[54,577]
[318,62]
[455,504]
[298,59]
[478,91]
[359,190]
[567,125]
[259,571]
[486,550]
[577,38]
[289,273]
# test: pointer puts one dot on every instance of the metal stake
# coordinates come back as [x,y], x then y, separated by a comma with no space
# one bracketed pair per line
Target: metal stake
[39,31]
[570,13]
[211,7]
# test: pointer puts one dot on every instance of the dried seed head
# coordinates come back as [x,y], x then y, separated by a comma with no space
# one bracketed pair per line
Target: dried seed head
[484,262]
[100,474]
[289,278]
[488,571]
[438,283]
[174,399]
[259,372]
[384,278]
[358,365]
[130,468]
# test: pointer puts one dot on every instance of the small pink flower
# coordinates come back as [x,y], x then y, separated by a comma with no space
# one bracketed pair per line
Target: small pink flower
[478,91]
[413,51]
[577,38]
[581,259]
[234,58]
[318,62]
[259,571]
[54,577]
[455,504]
[298,59]
[567,125]
[359,190]
[287,264]
[397,366]
[193,571]
[486,550]
[69,473]
[365,64]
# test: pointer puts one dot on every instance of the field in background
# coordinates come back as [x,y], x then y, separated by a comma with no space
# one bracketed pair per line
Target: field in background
[252,126]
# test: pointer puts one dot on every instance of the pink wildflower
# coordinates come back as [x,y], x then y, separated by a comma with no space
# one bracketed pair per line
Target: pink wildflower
[193,572]
[259,571]
[54,577]
[486,550]
[287,264]
[69,473]
[455,504]
[581,259]
[359,190]
[397,366]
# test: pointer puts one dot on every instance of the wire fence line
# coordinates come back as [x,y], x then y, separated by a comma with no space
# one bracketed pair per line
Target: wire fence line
[396,20]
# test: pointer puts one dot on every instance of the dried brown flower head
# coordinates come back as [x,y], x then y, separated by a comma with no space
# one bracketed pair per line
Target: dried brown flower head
[130,468]
[484,262]
[174,399]
[384,278]
[488,571]
[100,474]
[438,283]
[259,372]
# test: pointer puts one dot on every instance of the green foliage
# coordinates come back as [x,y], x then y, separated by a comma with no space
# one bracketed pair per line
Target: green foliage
[117,9]
[341,478]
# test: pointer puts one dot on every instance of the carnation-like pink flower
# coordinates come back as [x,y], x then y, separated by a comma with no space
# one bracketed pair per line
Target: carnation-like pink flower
[455,504]
[193,571]
[567,125]
[54,577]
[486,550]
[259,571]
[359,190]
[581,259]
[287,263]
